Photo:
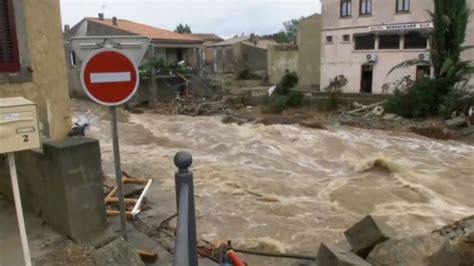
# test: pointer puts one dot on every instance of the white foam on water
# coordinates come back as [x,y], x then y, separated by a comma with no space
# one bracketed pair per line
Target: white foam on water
[288,187]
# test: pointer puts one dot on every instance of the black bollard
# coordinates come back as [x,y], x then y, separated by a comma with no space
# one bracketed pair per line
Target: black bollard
[186,236]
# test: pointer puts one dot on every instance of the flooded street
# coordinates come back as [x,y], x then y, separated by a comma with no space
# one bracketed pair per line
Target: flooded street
[288,188]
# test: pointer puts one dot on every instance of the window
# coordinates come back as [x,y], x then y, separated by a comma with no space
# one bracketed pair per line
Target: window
[9,56]
[415,40]
[329,39]
[364,42]
[365,7]
[389,42]
[346,38]
[346,8]
[403,5]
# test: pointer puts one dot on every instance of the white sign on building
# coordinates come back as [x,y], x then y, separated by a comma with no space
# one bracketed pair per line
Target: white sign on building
[404,26]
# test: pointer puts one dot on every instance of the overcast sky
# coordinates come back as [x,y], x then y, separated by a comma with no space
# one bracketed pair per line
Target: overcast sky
[223,17]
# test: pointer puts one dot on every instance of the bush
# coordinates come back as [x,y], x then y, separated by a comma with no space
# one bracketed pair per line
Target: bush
[458,100]
[422,99]
[287,82]
[244,74]
[276,105]
[295,99]
[279,103]
[335,89]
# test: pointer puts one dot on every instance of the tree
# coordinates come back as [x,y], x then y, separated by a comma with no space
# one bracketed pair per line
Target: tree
[444,93]
[291,29]
[183,28]
[288,34]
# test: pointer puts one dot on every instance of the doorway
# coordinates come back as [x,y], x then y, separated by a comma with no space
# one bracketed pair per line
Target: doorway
[180,54]
[422,71]
[367,76]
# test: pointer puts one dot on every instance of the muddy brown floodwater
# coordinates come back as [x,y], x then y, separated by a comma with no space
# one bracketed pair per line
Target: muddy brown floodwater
[287,188]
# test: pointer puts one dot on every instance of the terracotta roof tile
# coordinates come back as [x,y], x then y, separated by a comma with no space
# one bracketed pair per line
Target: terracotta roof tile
[149,31]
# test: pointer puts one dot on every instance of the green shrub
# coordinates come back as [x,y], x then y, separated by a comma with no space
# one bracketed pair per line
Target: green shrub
[276,105]
[335,89]
[458,100]
[244,74]
[420,100]
[287,82]
[295,99]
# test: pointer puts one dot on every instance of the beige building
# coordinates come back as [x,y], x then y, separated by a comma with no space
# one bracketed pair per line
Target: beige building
[32,61]
[239,53]
[309,47]
[364,39]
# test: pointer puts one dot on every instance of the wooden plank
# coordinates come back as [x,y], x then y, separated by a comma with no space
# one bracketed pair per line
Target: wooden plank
[365,107]
[117,213]
[127,201]
[111,194]
[135,181]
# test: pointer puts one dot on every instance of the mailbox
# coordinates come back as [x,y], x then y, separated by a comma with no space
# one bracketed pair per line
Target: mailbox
[18,125]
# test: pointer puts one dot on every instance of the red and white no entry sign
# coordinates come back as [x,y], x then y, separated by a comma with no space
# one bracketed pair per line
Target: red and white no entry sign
[109,77]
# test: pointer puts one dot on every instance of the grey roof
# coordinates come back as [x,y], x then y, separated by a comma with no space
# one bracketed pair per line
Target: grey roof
[230,41]
[208,37]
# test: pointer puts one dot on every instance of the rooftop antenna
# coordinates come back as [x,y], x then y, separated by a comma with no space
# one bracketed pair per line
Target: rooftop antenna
[103,9]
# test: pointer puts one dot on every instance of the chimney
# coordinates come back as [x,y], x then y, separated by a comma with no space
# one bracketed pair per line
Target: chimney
[101,16]
[114,21]
[67,27]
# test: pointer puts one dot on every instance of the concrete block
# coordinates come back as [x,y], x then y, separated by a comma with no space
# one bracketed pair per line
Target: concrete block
[329,255]
[445,256]
[63,186]
[119,253]
[366,234]
[456,122]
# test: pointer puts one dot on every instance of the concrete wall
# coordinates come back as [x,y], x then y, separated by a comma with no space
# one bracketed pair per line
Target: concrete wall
[39,22]
[281,58]
[309,45]
[237,57]
[253,57]
[63,185]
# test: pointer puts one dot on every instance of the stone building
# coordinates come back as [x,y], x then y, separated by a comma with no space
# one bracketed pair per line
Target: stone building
[364,39]
[62,182]
[309,47]
[32,63]
[168,45]
[238,53]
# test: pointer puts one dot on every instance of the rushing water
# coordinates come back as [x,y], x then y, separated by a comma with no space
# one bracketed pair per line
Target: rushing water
[288,188]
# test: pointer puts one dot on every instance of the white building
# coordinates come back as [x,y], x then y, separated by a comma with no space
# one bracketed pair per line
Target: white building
[364,39]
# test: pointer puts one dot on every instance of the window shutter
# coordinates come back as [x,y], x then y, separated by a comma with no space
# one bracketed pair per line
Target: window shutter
[9,56]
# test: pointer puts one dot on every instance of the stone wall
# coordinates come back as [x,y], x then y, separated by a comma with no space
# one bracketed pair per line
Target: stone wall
[40,23]
[281,58]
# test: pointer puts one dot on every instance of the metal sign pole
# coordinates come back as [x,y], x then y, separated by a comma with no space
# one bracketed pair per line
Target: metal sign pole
[118,172]
[19,210]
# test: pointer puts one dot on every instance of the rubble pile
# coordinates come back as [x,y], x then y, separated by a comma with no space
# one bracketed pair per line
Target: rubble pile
[192,108]
[372,242]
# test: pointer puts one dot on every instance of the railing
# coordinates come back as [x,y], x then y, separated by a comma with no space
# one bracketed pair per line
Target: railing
[185,249]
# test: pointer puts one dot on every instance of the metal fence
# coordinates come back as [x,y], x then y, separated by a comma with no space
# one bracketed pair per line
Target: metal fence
[185,250]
